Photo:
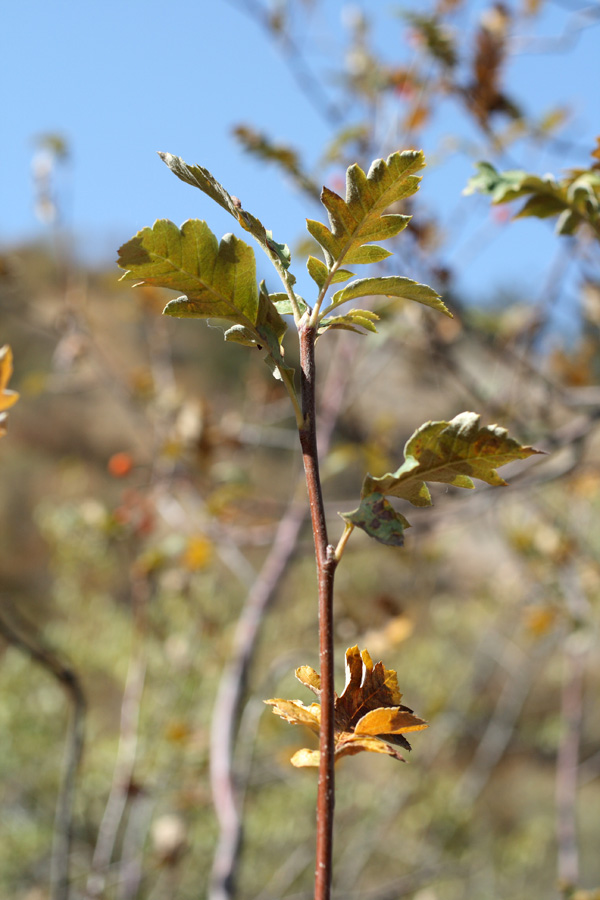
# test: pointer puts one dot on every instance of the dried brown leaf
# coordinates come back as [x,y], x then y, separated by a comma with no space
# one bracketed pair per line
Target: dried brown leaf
[7,397]
[368,714]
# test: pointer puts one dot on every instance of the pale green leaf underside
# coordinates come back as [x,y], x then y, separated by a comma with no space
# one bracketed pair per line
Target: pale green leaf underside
[391,286]
[364,318]
[283,304]
[218,279]
[453,453]
[359,219]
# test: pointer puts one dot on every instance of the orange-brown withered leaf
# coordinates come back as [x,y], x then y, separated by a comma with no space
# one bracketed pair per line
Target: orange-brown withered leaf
[368,714]
[7,397]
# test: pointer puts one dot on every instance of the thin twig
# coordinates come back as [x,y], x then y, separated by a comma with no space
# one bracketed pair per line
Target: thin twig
[63,823]
[500,728]
[126,752]
[229,698]
[571,713]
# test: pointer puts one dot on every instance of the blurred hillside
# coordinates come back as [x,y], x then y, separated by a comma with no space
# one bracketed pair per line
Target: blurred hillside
[144,473]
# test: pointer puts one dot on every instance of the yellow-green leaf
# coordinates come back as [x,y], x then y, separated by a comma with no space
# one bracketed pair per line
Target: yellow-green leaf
[390,286]
[359,219]
[219,280]
[453,453]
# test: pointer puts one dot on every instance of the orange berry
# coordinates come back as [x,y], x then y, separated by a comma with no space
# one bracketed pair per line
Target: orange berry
[120,465]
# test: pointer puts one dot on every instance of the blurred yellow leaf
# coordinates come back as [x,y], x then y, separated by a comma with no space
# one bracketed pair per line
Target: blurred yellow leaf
[585,484]
[177,731]
[416,118]
[531,7]
[7,398]
[198,553]
[539,619]
[394,632]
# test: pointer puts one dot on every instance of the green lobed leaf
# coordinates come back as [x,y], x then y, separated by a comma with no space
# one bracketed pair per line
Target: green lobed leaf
[453,453]
[201,178]
[390,286]
[379,519]
[218,279]
[584,193]
[360,219]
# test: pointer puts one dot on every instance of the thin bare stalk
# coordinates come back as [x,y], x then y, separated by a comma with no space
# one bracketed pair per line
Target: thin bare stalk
[230,696]
[575,650]
[567,762]
[127,749]
[326,566]
[63,822]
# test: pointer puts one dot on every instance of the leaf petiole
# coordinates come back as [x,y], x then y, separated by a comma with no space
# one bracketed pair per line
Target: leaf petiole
[339,550]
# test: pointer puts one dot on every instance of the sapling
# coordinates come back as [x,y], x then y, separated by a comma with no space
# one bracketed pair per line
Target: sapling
[218,281]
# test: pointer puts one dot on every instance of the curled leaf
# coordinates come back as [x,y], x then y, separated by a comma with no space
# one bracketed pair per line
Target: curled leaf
[379,519]
[453,453]
[368,714]
[390,286]
[201,178]
[353,320]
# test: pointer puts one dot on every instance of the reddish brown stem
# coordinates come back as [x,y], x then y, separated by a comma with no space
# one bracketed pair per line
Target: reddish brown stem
[326,564]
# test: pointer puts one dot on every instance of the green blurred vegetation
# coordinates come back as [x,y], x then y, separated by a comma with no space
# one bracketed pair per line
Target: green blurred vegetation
[145,469]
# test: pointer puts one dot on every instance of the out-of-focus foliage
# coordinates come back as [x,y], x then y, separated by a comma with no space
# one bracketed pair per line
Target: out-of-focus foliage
[143,477]
[135,561]
[574,199]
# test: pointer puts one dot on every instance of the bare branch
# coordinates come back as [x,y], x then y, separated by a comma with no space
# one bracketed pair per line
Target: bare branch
[127,749]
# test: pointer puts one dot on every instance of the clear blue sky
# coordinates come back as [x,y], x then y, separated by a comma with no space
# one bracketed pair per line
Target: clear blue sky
[123,79]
